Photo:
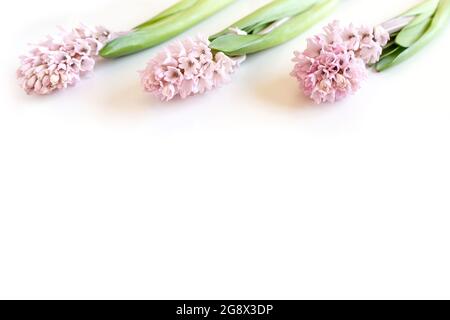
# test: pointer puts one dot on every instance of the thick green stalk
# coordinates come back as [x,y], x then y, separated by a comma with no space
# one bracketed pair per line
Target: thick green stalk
[275,10]
[418,34]
[163,27]
[440,20]
[427,5]
[311,13]
[176,8]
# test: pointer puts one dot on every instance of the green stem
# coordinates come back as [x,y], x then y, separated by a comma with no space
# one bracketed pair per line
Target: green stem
[273,11]
[417,34]
[176,8]
[163,27]
[440,20]
[235,45]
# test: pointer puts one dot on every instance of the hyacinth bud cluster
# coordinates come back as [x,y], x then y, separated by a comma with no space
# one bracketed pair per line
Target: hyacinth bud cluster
[335,62]
[186,68]
[61,60]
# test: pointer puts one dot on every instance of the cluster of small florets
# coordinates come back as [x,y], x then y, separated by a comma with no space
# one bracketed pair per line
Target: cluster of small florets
[60,61]
[334,63]
[187,68]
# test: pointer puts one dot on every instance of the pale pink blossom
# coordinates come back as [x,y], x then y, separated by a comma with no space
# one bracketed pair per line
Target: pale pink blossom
[187,68]
[190,65]
[366,35]
[334,63]
[371,52]
[331,76]
[60,60]
[333,33]
[351,37]
[381,35]
[315,45]
[373,39]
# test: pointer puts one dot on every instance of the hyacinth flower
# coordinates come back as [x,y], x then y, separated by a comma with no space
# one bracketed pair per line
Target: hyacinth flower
[336,62]
[61,60]
[196,65]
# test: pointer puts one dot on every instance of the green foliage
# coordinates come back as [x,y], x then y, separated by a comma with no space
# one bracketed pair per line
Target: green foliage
[431,17]
[303,14]
[166,25]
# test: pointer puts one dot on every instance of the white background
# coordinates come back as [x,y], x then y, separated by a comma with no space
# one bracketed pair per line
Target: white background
[247,192]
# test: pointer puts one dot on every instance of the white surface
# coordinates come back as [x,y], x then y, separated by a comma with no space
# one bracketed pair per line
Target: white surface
[247,192]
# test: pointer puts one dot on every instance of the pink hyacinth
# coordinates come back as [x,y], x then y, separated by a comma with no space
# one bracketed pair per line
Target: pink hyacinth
[334,63]
[187,68]
[61,60]
[331,75]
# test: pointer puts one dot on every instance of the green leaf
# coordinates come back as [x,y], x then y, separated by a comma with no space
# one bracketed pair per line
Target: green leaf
[389,50]
[387,59]
[390,44]
[169,24]
[235,45]
[423,7]
[260,28]
[275,10]
[410,34]
[438,23]
[176,8]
